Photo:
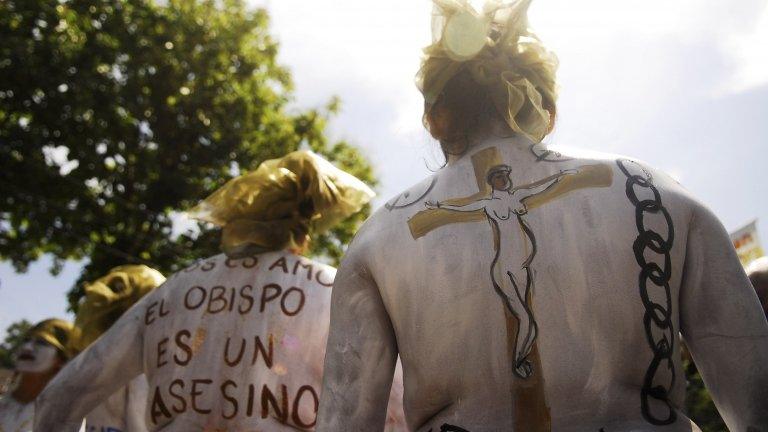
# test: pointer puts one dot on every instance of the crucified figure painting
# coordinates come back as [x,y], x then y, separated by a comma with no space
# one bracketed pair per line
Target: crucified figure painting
[515,243]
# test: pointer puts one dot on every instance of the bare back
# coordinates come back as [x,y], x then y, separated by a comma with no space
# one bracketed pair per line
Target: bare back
[532,291]
[226,344]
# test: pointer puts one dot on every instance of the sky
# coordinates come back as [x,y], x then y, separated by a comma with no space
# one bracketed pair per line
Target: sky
[680,84]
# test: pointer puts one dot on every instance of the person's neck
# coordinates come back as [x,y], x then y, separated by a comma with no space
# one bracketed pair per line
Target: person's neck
[517,147]
[31,385]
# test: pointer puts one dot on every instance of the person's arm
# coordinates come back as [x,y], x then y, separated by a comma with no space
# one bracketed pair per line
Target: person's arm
[723,325]
[91,377]
[360,355]
[584,177]
[544,184]
[473,206]
[136,404]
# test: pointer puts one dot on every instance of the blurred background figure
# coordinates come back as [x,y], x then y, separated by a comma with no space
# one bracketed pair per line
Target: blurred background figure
[6,376]
[757,271]
[106,300]
[38,360]
[236,341]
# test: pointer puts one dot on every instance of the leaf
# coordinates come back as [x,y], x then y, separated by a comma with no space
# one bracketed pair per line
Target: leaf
[106,80]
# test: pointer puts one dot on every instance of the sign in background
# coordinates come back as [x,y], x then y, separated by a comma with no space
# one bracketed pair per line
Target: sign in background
[747,243]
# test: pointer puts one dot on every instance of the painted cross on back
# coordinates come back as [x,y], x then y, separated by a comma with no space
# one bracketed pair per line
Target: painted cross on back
[505,206]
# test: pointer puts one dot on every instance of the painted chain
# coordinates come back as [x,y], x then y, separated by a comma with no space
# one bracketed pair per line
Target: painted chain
[657,320]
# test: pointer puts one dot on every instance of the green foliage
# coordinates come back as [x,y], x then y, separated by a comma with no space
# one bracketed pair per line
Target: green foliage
[14,337]
[698,403]
[115,113]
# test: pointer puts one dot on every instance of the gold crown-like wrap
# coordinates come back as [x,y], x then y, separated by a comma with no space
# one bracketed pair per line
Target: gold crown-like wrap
[57,332]
[107,298]
[277,205]
[501,53]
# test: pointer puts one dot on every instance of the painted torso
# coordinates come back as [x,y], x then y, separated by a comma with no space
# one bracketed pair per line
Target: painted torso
[124,411]
[15,416]
[514,244]
[226,344]
[447,260]
[237,344]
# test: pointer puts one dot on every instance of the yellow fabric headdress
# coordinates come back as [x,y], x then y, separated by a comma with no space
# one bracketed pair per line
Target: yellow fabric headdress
[278,204]
[56,332]
[500,52]
[107,298]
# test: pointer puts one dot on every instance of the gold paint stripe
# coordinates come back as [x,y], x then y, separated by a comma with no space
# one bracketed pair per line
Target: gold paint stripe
[531,412]
[425,221]
[428,220]
[482,162]
[589,176]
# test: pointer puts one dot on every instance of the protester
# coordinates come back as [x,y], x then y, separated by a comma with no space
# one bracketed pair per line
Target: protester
[236,341]
[6,376]
[37,361]
[530,290]
[757,271]
[106,299]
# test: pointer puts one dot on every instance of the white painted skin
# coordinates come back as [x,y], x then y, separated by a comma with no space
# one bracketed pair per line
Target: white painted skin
[15,416]
[430,301]
[147,339]
[505,206]
[124,410]
[35,356]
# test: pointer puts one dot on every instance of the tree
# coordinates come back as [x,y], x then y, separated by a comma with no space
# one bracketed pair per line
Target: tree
[14,337]
[114,114]
[698,403]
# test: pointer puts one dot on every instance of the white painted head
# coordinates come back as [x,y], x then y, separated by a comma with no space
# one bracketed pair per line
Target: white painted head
[35,356]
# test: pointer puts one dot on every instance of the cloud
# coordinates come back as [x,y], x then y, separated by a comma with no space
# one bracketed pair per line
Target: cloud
[636,77]
[748,50]
[737,32]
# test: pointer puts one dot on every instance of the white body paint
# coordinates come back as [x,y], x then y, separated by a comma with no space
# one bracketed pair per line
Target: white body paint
[431,301]
[35,356]
[158,334]
[32,357]
[124,411]
[15,416]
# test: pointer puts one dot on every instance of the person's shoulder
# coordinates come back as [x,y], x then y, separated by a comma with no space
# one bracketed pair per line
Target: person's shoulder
[192,271]
[9,403]
[386,223]
[316,264]
[390,217]
[367,235]
[408,198]
[287,266]
[5,401]
[638,178]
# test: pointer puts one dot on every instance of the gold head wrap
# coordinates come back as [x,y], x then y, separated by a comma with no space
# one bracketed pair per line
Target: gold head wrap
[277,205]
[56,332]
[501,53]
[107,299]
